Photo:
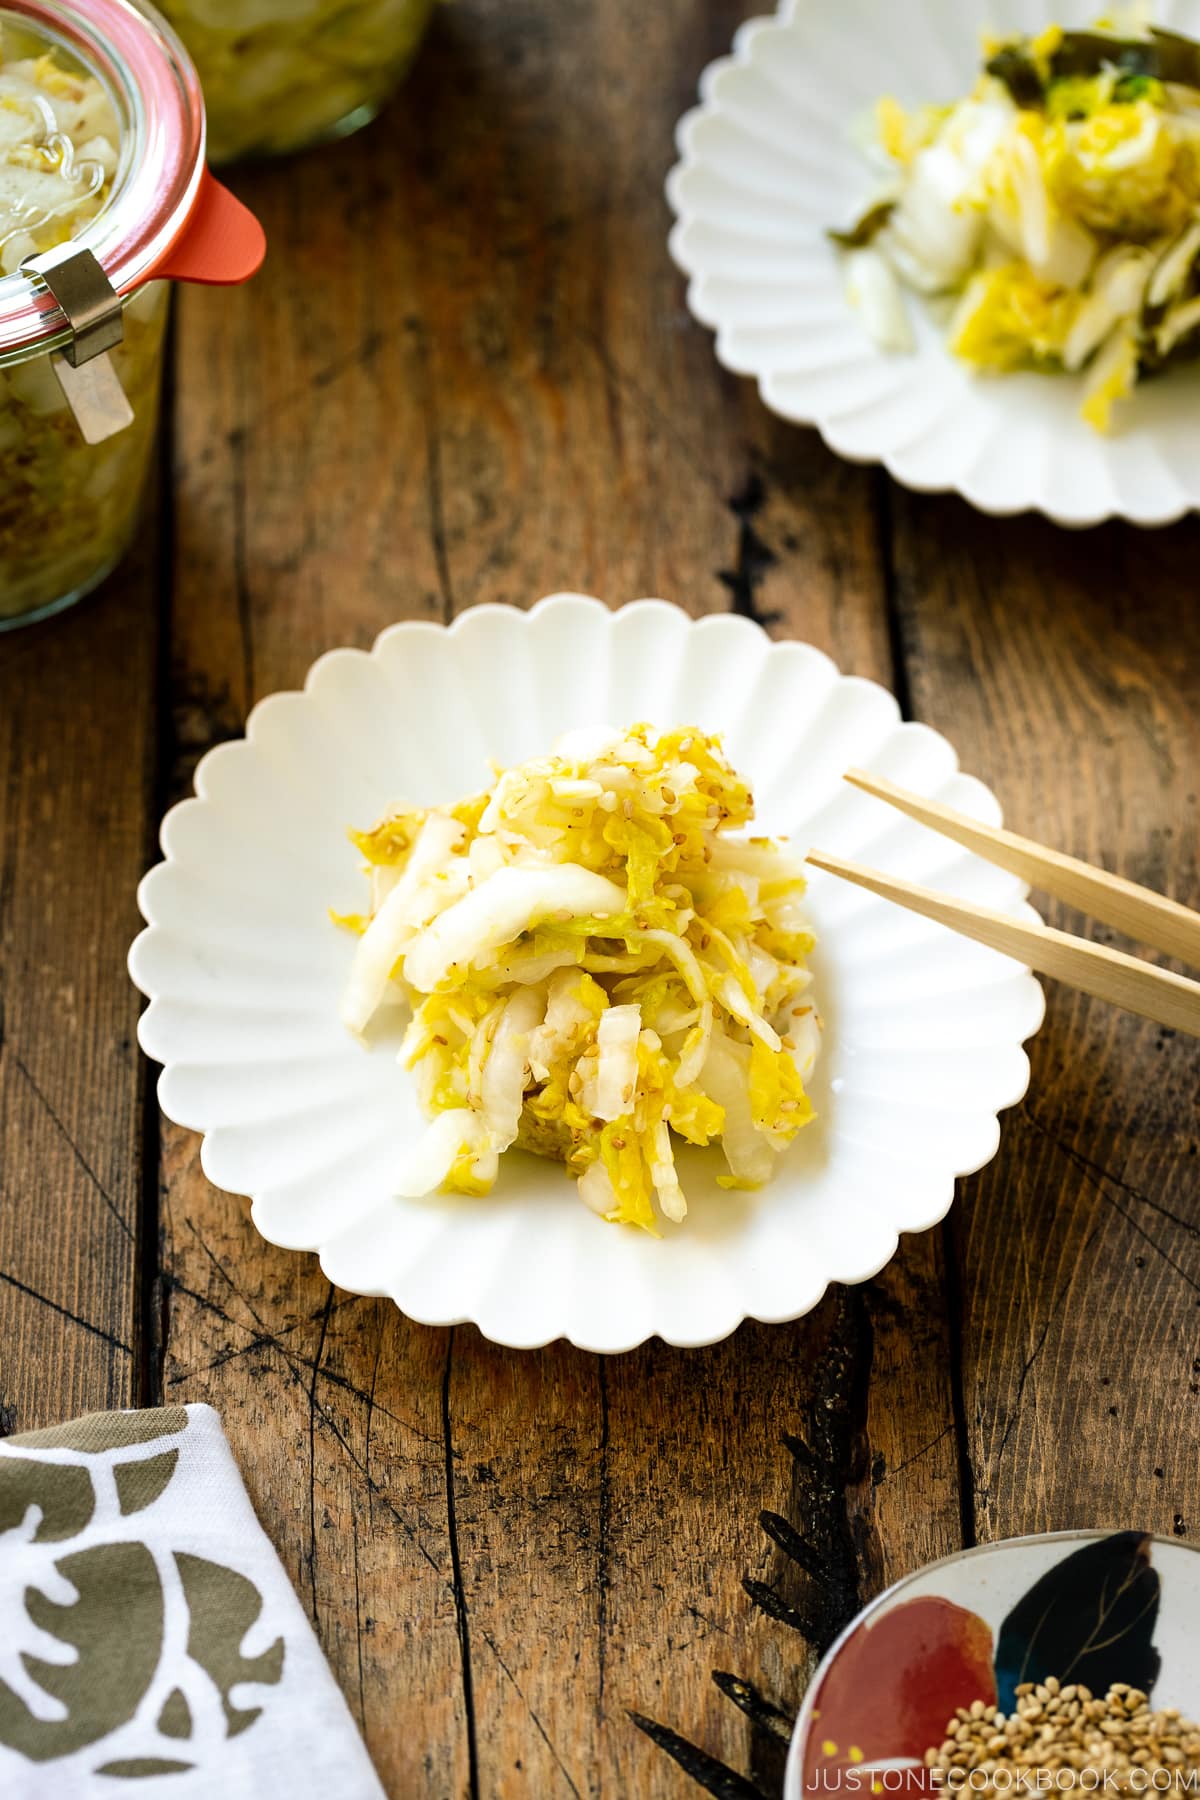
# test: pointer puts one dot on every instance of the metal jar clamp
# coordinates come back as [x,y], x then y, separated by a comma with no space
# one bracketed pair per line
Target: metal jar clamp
[84,369]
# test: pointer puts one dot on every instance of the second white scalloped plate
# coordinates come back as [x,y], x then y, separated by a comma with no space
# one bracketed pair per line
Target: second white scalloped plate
[768,162]
[244,972]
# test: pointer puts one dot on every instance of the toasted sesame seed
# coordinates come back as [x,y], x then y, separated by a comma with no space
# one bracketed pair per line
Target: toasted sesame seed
[1066,1732]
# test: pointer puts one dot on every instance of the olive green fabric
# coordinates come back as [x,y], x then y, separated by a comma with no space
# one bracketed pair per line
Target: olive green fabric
[140,1483]
[175,1719]
[133,1766]
[63,1495]
[96,1432]
[222,1606]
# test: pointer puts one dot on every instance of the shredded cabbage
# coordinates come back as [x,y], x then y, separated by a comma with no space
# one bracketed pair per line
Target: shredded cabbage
[1059,203]
[597,961]
[59,142]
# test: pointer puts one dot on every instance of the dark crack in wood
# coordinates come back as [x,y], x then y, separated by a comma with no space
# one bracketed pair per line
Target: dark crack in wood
[755,558]
[461,1613]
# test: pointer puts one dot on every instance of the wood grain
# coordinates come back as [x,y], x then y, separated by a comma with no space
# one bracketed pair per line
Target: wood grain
[493,393]
[77,724]
[1078,1247]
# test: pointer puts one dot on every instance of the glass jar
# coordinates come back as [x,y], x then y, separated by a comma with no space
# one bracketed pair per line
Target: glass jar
[281,74]
[104,198]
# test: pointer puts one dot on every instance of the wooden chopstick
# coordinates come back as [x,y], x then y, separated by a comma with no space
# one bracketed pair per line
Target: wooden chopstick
[1137,911]
[1139,987]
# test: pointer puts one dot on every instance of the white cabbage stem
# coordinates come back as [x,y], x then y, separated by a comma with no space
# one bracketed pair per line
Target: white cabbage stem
[725,1078]
[1117,289]
[662,1174]
[696,1046]
[408,905]
[616,1077]
[566,1017]
[729,993]
[441,1144]
[873,290]
[505,1070]
[499,910]
[596,1190]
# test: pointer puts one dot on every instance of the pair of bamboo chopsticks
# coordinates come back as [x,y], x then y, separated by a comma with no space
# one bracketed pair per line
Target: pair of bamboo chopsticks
[1109,974]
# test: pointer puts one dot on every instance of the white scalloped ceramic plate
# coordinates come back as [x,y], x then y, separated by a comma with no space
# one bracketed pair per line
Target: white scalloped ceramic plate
[768,163]
[244,972]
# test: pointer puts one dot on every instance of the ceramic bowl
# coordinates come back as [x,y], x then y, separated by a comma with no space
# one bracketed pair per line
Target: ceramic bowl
[1088,1607]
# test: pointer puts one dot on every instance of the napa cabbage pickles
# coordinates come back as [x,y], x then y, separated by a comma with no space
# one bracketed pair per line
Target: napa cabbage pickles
[597,962]
[1057,205]
[67,509]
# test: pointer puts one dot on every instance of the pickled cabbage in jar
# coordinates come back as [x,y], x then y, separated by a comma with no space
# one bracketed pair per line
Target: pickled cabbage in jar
[279,74]
[67,508]
[59,141]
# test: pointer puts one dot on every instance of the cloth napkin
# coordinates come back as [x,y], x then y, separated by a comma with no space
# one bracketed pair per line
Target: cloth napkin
[150,1642]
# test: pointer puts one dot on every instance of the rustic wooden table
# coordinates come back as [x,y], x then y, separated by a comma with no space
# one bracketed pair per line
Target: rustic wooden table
[467,374]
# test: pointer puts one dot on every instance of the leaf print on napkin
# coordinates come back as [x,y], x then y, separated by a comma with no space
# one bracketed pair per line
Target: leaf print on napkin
[96,1678]
[62,1494]
[95,1433]
[140,1483]
[134,1767]
[175,1719]
[1090,1619]
[222,1606]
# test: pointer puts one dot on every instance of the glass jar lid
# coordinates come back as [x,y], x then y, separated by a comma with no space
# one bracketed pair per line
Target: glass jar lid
[161,193]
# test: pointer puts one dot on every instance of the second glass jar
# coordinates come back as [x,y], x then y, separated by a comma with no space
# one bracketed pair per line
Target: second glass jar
[281,74]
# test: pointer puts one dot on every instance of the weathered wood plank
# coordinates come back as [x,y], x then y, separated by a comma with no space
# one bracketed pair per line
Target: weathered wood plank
[1066,667]
[77,731]
[482,384]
